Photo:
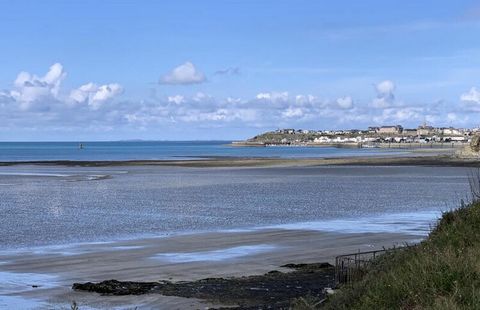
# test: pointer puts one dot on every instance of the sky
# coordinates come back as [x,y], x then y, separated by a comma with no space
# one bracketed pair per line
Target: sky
[220,70]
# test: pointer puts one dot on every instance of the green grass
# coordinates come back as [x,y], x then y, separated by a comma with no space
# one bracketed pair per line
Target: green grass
[443,272]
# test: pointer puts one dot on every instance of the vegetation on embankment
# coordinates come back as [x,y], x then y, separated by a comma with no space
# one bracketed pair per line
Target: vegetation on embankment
[443,272]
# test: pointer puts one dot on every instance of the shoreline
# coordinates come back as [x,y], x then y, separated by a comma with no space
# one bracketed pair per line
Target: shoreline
[175,258]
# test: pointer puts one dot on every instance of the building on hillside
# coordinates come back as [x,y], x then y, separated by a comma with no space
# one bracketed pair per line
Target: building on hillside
[304,131]
[409,132]
[390,129]
[425,130]
[373,129]
[286,131]
[451,131]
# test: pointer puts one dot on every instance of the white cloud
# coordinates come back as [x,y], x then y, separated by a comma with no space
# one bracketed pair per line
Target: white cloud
[230,114]
[231,100]
[177,99]
[400,115]
[305,99]
[345,102]
[184,74]
[106,92]
[95,95]
[29,89]
[452,116]
[83,93]
[471,96]
[292,112]
[385,88]
[54,77]
[31,92]
[273,96]
[385,94]
[198,97]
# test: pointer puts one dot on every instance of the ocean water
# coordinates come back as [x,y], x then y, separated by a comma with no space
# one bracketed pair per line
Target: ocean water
[49,206]
[40,151]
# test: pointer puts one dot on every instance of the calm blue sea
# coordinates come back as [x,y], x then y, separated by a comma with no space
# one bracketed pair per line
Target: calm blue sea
[53,205]
[157,150]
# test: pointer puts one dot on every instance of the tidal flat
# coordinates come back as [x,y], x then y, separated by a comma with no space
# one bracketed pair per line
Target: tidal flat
[69,224]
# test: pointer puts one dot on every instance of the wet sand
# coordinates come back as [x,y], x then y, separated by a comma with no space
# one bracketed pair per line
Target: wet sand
[175,258]
[421,157]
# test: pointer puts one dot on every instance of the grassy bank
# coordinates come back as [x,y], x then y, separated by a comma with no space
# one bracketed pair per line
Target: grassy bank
[443,272]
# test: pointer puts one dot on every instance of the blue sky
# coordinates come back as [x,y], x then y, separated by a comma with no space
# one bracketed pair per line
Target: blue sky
[107,70]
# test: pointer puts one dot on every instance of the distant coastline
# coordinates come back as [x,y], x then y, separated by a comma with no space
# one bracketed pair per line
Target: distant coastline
[374,137]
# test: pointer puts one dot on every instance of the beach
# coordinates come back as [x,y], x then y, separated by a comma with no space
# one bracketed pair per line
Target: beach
[177,258]
[190,220]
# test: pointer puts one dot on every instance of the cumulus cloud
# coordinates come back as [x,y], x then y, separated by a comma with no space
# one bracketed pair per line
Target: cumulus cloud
[385,94]
[292,112]
[345,102]
[184,74]
[400,115]
[199,97]
[305,99]
[273,96]
[472,96]
[95,95]
[42,93]
[30,89]
[177,99]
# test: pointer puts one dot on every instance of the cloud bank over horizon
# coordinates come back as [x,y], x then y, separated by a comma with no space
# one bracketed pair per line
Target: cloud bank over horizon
[41,103]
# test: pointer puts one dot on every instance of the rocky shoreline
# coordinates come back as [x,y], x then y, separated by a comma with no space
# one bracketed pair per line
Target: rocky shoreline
[273,290]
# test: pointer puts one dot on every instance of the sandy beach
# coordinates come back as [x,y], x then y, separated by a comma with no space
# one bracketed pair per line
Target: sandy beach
[42,277]
[175,258]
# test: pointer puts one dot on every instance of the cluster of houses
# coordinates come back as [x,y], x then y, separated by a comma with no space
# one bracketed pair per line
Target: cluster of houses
[384,134]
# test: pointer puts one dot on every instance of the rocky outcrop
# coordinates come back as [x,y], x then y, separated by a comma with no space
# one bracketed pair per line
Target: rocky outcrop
[114,287]
[273,290]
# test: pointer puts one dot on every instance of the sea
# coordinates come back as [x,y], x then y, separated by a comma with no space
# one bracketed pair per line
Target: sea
[44,205]
[164,150]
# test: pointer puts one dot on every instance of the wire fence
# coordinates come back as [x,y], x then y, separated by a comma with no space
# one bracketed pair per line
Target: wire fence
[350,268]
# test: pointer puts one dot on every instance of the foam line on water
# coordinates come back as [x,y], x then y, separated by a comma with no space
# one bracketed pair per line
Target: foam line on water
[60,249]
[216,255]
[413,223]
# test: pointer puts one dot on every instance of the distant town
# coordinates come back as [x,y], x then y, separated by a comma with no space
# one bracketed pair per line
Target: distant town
[382,136]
